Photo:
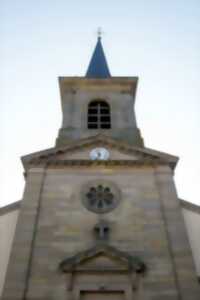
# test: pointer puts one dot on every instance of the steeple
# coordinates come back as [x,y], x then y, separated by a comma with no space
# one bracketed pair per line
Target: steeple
[98,67]
[94,104]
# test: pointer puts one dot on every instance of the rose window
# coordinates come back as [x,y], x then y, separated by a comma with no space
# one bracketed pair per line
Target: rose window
[100,198]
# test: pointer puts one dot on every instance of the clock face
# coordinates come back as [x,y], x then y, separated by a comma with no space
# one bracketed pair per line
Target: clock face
[99,154]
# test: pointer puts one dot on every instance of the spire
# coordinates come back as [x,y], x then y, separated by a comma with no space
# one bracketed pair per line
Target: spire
[98,67]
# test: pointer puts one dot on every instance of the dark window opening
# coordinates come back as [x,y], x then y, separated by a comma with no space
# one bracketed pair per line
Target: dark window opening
[99,115]
[105,119]
[105,126]
[104,111]
[92,126]
[92,111]
[92,119]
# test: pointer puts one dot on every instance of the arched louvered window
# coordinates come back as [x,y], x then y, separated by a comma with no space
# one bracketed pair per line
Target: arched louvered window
[99,115]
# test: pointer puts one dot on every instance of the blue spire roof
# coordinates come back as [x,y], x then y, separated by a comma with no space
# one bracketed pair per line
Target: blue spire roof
[98,67]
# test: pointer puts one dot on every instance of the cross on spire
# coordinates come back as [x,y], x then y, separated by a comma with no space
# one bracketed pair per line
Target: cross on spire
[99,32]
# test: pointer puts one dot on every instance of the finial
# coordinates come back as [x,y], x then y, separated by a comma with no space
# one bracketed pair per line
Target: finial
[99,33]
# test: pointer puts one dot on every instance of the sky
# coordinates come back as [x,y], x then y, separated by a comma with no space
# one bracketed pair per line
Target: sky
[157,40]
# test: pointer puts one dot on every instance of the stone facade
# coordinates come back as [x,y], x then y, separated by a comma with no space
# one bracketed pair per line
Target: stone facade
[119,93]
[54,225]
[138,248]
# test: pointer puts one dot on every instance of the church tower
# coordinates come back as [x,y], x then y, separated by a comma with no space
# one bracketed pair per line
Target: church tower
[100,217]
[98,103]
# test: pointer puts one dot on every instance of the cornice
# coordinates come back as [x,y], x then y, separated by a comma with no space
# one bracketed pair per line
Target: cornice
[145,155]
[101,81]
[88,163]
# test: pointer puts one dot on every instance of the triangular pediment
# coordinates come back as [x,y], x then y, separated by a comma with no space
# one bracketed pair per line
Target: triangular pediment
[81,151]
[102,257]
[102,261]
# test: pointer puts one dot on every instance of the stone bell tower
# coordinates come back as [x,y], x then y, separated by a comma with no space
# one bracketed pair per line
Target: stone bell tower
[98,103]
[100,217]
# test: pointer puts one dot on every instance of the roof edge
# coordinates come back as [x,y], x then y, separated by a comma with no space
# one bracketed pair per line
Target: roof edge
[101,138]
[190,206]
[10,207]
[113,79]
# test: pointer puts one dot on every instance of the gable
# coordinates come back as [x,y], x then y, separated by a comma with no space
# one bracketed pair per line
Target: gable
[85,154]
[103,261]
[103,256]
[80,151]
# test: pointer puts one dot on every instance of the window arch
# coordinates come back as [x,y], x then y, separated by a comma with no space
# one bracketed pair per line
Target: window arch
[99,115]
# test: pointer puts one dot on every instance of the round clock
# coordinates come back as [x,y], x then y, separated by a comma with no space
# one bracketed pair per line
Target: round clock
[99,154]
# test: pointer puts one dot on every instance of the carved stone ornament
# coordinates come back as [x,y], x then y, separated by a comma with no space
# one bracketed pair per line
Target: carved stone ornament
[114,270]
[134,264]
[100,196]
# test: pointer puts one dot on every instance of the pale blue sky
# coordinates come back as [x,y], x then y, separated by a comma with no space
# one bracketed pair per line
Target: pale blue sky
[159,41]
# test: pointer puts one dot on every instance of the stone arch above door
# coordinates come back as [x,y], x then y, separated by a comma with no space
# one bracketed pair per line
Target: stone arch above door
[102,272]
